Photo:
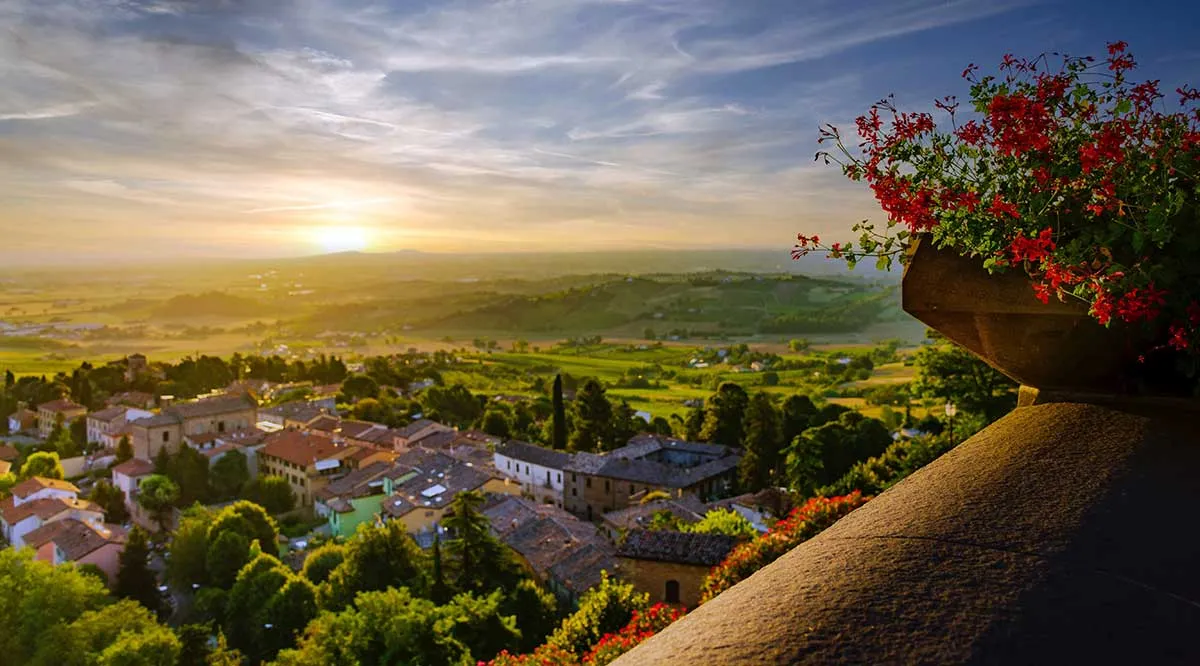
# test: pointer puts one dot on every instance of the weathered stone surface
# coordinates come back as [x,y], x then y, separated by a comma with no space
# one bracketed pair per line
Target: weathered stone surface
[1053,536]
[1056,345]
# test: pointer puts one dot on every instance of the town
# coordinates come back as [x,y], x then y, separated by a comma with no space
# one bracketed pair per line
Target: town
[327,469]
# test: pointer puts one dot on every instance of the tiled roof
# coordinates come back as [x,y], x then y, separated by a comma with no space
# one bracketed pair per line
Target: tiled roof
[75,538]
[396,506]
[33,484]
[688,508]
[218,450]
[533,454]
[133,398]
[414,428]
[212,406]
[356,483]
[324,423]
[480,436]
[354,429]
[9,453]
[304,449]
[437,440]
[385,437]
[774,501]
[243,437]
[160,419]
[107,415]
[707,550]
[203,438]
[299,410]
[434,470]
[134,467]
[508,512]
[61,405]
[555,539]
[581,571]
[628,464]
[45,508]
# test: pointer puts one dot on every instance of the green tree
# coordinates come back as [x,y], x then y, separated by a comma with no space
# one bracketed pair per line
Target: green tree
[438,590]
[193,644]
[475,560]
[770,378]
[37,598]
[952,374]
[358,387]
[762,448]
[124,449]
[44,464]
[162,462]
[222,654]
[535,610]
[723,521]
[321,562]
[78,435]
[454,405]
[134,579]
[378,557]
[625,425]
[189,470]
[112,500]
[803,464]
[495,422]
[227,553]
[273,493]
[661,426]
[229,474]
[158,494]
[724,415]
[602,610]
[797,413]
[188,563]
[7,481]
[593,422]
[251,521]
[268,607]
[477,622]
[559,438]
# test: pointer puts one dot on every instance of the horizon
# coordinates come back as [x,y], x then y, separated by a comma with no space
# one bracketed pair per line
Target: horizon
[170,130]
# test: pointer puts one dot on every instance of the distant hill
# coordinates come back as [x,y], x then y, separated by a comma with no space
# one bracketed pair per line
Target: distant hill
[208,304]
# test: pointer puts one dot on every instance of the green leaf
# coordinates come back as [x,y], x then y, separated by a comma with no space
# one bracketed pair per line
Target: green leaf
[1139,241]
[1123,107]
[883,263]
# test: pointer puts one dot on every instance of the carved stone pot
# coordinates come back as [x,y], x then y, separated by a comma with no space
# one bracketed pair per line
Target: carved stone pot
[1056,347]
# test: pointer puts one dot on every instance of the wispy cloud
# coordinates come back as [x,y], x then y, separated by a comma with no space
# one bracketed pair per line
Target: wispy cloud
[530,121]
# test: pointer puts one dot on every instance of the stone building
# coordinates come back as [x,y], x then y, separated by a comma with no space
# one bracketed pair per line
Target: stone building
[671,566]
[597,484]
[168,428]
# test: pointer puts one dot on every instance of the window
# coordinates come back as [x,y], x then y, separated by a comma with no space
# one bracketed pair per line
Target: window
[507,464]
[547,476]
[527,469]
[573,479]
[166,436]
[588,480]
[560,477]
[606,485]
[672,595]
[220,426]
[574,492]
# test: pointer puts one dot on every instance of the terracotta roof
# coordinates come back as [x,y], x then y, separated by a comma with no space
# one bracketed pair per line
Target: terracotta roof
[134,398]
[243,437]
[33,484]
[5,467]
[160,419]
[304,449]
[61,405]
[203,438]
[415,427]
[45,508]
[212,406]
[359,483]
[9,453]
[324,423]
[441,439]
[218,450]
[107,415]
[75,538]
[706,550]
[298,410]
[533,454]
[134,467]
[355,429]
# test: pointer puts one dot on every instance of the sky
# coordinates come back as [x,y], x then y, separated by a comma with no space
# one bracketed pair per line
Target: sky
[159,129]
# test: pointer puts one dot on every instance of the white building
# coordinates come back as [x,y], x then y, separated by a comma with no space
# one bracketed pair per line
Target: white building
[539,470]
[128,476]
[38,501]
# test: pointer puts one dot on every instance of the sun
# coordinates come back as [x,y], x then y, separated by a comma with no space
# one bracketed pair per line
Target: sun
[339,238]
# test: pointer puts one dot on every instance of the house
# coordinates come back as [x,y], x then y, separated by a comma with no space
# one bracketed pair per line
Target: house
[687,509]
[296,414]
[564,552]
[761,509]
[353,499]
[37,501]
[538,469]
[136,399]
[106,426]
[595,484]
[71,540]
[168,428]
[48,414]
[671,566]
[404,438]
[247,440]
[22,421]
[135,366]
[422,484]
[128,476]
[308,461]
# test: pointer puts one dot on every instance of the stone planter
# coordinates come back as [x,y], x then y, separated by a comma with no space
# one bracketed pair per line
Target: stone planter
[1053,347]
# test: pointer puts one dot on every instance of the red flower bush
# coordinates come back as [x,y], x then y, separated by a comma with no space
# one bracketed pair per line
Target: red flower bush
[803,523]
[1068,170]
[642,626]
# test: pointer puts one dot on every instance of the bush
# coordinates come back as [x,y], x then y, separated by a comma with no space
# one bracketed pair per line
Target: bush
[642,626]
[803,523]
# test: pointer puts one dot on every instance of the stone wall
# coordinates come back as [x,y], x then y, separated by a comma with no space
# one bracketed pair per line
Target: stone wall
[651,577]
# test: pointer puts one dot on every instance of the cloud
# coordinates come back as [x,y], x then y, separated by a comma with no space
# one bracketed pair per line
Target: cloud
[526,121]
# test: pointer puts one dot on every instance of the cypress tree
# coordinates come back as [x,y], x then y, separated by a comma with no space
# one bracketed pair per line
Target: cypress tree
[560,416]
[438,593]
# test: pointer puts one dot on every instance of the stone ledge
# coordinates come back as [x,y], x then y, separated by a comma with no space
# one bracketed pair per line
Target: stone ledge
[1053,536]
